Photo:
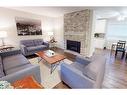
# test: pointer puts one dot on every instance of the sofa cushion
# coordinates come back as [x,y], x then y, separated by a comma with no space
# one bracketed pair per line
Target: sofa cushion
[1,68]
[14,61]
[27,43]
[38,42]
[13,70]
[41,47]
[36,48]
[92,69]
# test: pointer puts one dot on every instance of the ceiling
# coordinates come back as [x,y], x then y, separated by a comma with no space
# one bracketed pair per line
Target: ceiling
[48,11]
[101,12]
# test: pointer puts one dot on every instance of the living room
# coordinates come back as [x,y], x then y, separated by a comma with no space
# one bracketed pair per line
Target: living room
[54,47]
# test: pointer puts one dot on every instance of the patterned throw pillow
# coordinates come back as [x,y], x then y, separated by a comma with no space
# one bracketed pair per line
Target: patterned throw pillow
[27,83]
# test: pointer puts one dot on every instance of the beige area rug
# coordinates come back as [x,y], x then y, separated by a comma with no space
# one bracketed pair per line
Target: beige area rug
[49,80]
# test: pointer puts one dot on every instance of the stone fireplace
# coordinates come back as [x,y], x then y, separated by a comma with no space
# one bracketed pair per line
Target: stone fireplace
[77,28]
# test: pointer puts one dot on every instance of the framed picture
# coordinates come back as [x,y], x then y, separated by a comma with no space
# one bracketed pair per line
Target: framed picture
[27,26]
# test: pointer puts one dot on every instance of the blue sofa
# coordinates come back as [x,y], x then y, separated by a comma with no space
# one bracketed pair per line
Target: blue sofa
[14,66]
[84,73]
[29,47]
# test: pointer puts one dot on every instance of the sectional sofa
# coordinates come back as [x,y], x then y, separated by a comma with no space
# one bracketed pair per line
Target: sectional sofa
[29,47]
[14,66]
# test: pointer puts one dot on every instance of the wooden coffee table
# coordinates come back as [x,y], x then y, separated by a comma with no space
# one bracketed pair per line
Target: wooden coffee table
[57,58]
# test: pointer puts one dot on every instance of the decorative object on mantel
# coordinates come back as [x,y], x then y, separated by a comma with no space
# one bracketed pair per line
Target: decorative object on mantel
[27,26]
[99,35]
[5,85]
[3,34]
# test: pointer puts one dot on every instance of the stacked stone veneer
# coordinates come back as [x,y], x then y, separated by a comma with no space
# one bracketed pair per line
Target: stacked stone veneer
[77,27]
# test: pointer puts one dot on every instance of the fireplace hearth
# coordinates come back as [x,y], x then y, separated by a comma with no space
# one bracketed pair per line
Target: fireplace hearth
[73,45]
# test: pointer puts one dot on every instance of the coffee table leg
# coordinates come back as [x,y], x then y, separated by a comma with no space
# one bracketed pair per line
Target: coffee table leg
[39,59]
[53,67]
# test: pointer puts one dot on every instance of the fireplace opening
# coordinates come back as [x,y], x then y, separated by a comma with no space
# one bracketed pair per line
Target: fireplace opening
[73,45]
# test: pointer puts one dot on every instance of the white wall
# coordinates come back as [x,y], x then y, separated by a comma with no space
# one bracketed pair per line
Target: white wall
[7,23]
[59,31]
[92,24]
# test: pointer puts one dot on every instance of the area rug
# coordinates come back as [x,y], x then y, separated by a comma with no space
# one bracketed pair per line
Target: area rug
[48,80]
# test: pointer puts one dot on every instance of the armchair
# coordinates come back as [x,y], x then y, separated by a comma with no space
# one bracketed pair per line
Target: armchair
[83,73]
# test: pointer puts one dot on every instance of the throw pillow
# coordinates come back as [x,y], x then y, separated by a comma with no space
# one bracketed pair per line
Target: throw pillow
[27,83]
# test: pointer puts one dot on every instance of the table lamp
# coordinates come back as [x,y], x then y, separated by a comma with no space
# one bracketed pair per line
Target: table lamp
[50,34]
[3,34]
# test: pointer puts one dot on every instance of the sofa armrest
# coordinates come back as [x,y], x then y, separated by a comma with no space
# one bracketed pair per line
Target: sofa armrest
[74,78]
[10,53]
[23,49]
[82,60]
[33,70]
[46,43]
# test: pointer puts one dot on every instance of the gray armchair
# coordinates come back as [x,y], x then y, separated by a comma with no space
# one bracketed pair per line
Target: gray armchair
[83,73]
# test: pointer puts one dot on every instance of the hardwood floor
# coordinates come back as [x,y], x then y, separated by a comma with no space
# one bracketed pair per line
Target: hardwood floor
[115,74]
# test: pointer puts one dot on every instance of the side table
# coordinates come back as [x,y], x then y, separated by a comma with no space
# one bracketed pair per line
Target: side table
[6,48]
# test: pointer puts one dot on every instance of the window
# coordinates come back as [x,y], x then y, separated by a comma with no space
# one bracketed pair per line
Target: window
[116,31]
